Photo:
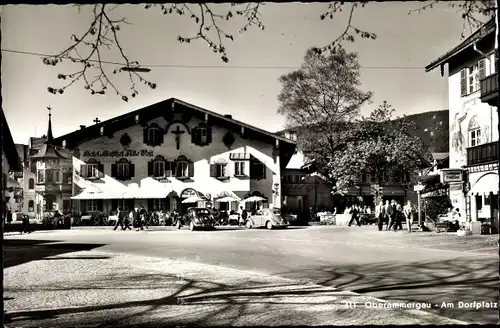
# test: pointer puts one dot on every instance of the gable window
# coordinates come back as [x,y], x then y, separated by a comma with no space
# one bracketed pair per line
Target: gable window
[31,184]
[239,169]
[153,135]
[470,77]
[123,169]
[201,135]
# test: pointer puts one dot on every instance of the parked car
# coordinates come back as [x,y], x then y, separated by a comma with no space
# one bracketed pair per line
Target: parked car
[267,217]
[197,217]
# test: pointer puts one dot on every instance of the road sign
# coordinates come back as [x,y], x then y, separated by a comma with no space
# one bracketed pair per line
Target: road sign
[418,187]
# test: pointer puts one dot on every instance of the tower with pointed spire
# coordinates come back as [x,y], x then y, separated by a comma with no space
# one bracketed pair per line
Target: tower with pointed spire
[53,175]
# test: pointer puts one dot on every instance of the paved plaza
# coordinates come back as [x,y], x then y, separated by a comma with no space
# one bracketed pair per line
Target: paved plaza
[298,276]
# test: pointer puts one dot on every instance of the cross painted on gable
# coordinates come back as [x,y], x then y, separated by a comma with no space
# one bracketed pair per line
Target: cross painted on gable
[178,133]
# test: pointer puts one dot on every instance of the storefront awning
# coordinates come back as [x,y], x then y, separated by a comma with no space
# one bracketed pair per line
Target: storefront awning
[486,184]
[87,195]
[146,193]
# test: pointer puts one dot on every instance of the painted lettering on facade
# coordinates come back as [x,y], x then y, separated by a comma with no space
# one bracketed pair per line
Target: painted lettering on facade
[118,153]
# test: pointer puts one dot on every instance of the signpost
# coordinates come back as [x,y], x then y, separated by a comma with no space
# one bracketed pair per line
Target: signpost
[418,188]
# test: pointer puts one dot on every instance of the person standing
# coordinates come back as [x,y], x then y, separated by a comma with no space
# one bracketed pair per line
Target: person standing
[408,213]
[119,220]
[354,215]
[26,224]
[142,215]
[380,214]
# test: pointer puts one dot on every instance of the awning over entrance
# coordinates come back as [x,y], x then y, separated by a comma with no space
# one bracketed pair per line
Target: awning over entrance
[486,184]
[87,195]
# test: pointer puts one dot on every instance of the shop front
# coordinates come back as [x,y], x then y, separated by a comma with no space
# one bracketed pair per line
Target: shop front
[483,197]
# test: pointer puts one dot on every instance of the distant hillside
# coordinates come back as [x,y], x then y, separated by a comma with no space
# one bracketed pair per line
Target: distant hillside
[433,129]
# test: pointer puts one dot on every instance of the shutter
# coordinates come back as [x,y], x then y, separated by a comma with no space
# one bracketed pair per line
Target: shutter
[193,136]
[114,170]
[160,136]
[131,170]
[100,168]
[244,168]
[114,204]
[150,205]
[190,169]
[264,169]
[150,168]
[209,135]
[83,170]
[482,69]
[228,170]
[145,135]
[213,170]
[463,82]
[100,205]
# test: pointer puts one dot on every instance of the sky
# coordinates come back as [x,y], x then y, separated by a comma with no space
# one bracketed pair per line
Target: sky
[392,65]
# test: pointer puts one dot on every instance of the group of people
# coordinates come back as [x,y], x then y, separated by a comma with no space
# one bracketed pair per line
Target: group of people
[393,214]
[137,216]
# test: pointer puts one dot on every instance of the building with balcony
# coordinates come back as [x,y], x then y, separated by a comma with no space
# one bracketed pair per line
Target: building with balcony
[165,153]
[49,181]
[473,95]
[11,164]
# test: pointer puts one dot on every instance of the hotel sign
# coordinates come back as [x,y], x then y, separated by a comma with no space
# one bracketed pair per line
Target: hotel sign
[451,176]
[118,153]
[189,193]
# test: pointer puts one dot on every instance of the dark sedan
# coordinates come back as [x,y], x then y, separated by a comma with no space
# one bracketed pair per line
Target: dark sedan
[196,218]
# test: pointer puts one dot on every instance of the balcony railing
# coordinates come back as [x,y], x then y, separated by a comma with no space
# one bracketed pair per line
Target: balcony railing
[482,154]
[489,89]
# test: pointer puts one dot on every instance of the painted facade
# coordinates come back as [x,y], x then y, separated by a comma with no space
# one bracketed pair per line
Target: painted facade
[473,124]
[159,161]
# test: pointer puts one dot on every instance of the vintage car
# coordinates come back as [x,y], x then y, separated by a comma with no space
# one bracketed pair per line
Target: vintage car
[197,217]
[267,217]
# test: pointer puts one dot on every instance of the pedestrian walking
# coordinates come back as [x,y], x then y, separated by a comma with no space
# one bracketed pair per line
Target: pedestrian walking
[408,213]
[26,224]
[143,215]
[136,220]
[119,220]
[354,215]
[391,214]
[127,218]
[399,217]
[380,214]
[244,216]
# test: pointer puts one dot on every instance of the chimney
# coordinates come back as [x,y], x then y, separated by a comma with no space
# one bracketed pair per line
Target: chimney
[82,127]
[228,116]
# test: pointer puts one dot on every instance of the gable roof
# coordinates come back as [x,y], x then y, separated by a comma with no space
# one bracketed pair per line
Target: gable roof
[8,145]
[486,29]
[161,109]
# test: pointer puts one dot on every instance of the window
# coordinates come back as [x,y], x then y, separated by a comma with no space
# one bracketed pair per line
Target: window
[257,170]
[92,171]
[471,76]
[31,206]
[289,178]
[123,204]
[31,184]
[57,176]
[221,170]
[157,204]
[239,168]
[475,137]
[91,205]
[153,135]
[40,176]
[67,178]
[181,170]
[123,169]
[159,168]
[201,135]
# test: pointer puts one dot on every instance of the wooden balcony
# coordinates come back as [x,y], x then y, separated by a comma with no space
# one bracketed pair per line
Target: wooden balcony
[482,154]
[489,89]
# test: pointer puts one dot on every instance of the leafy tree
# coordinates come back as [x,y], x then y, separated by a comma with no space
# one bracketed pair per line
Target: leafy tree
[104,32]
[380,146]
[320,100]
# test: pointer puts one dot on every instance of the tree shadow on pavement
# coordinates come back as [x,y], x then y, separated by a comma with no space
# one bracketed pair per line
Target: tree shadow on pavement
[19,251]
[186,302]
[459,280]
